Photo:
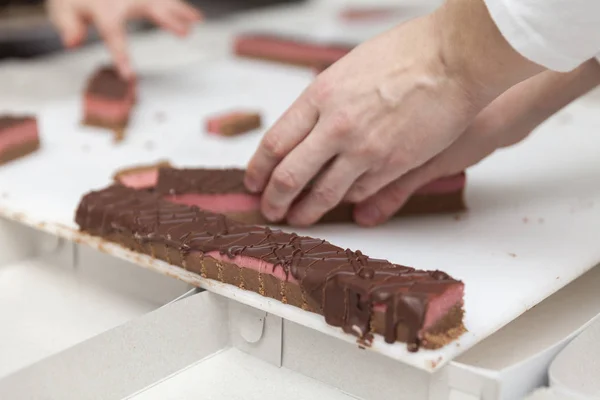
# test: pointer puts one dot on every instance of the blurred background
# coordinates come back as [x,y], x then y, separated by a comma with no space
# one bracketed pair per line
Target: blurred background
[26,32]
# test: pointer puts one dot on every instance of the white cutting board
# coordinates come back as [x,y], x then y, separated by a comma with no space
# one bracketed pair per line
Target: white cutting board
[534,217]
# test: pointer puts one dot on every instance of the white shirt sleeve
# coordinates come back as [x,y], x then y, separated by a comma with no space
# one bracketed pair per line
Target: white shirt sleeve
[557,34]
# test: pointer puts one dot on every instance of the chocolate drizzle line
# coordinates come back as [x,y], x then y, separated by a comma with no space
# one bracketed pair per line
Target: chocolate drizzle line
[346,283]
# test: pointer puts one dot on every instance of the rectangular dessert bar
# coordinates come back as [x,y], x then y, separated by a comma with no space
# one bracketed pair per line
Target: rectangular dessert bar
[352,291]
[141,176]
[19,136]
[223,191]
[108,101]
[288,50]
[233,123]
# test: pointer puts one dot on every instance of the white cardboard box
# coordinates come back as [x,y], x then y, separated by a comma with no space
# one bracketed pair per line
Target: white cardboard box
[120,343]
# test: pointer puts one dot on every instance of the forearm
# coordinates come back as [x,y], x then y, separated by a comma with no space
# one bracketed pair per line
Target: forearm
[474,50]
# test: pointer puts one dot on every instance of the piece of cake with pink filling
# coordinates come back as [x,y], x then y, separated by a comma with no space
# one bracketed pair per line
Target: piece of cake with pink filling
[222,191]
[288,50]
[140,177]
[233,123]
[19,136]
[109,100]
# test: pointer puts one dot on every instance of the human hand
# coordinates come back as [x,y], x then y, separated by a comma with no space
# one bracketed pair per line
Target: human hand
[386,108]
[71,17]
[506,121]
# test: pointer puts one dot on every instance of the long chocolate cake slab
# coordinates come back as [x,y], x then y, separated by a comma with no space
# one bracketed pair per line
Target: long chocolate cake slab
[352,291]
[223,191]
[288,50]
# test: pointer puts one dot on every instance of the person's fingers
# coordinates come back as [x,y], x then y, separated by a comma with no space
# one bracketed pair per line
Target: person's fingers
[70,24]
[168,20]
[296,170]
[282,138]
[112,29]
[468,150]
[185,12]
[326,193]
[370,183]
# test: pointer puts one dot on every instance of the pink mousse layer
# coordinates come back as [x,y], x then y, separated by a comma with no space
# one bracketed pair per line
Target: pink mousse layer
[140,179]
[112,111]
[287,50]
[448,184]
[18,134]
[219,203]
[437,308]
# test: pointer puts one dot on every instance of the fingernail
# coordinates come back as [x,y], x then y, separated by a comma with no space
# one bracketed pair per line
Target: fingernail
[368,215]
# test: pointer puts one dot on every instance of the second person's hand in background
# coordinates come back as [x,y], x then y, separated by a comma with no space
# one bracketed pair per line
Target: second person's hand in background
[72,18]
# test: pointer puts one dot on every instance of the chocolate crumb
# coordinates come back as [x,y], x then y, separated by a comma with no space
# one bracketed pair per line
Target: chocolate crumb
[512,254]
[459,217]
[525,220]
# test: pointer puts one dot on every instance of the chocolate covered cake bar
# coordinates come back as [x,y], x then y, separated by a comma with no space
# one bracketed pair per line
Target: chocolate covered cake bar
[288,50]
[223,191]
[19,136]
[361,295]
[108,101]
[141,176]
[233,123]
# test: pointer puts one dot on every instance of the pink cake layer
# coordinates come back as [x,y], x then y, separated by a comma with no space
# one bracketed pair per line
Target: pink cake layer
[140,180]
[437,307]
[219,203]
[111,111]
[287,50]
[18,134]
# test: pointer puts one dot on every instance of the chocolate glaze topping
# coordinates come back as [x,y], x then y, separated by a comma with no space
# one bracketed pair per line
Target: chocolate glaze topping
[6,121]
[107,82]
[207,181]
[346,283]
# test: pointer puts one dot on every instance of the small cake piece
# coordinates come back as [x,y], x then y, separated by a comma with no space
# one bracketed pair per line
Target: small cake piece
[234,123]
[289,50]
[140,177]
[19,137]
[355,14]
[222,191]
[359,294]
[108,101]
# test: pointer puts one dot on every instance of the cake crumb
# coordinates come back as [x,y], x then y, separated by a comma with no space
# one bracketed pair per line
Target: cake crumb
[512,255]
[525,220]
[459,217]
[149,145]
[558,277]
[541,220]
